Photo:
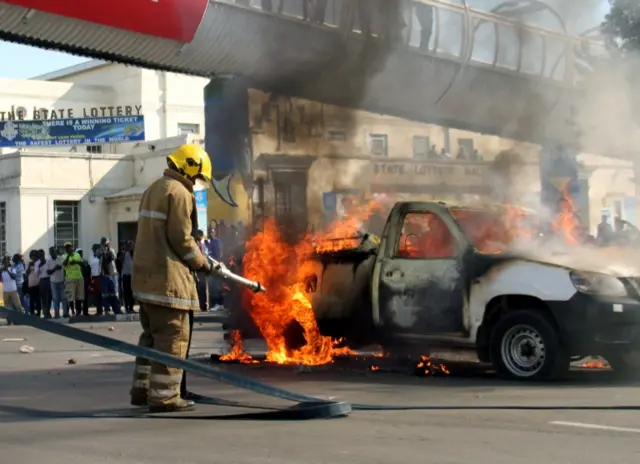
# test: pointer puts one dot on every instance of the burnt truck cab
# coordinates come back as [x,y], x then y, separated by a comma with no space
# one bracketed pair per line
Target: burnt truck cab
[441,276]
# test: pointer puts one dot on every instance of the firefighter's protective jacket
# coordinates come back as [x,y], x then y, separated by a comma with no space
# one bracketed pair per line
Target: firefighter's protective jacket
[166,252]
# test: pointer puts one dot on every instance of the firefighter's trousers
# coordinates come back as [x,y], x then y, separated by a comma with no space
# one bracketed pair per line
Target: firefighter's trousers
[167,330]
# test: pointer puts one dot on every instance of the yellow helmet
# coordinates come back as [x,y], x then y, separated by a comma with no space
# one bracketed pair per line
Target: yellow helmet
[192,161]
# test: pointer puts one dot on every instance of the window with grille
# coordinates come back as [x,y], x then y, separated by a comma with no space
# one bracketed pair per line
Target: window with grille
[3,228]
[188,128]
[65,226]
[420,146]
[378,144]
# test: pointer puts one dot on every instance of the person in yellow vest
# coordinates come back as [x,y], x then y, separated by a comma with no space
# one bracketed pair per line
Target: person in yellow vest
[163,277]
[73,278]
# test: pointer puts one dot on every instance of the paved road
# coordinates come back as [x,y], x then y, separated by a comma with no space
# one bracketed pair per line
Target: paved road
[48,414]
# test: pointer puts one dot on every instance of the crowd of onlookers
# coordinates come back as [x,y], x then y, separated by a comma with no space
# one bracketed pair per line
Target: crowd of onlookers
[66,283]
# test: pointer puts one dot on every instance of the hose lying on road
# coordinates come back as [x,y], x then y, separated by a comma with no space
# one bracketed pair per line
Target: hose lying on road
[307,407]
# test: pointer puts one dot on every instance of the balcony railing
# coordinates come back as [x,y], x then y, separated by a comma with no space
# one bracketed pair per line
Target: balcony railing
[453,31]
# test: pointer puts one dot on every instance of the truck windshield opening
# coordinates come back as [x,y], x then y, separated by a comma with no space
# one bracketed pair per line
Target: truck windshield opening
[493,232]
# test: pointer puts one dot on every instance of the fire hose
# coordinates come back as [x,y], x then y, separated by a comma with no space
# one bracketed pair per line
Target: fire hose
[221,271]
[306,407]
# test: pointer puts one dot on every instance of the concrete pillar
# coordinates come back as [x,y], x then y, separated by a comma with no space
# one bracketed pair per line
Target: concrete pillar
[228,143]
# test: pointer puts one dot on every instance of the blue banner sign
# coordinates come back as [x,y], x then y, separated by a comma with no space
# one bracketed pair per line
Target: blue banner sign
[71,131]
[201,209]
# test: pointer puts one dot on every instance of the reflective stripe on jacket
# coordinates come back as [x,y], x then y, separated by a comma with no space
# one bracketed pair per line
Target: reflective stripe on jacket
[166,252]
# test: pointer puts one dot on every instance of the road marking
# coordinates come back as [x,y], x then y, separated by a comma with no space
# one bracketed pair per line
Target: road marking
[595,426]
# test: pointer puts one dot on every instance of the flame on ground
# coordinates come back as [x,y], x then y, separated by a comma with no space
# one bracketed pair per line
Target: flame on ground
[237,352]
[426,367]
[596,364]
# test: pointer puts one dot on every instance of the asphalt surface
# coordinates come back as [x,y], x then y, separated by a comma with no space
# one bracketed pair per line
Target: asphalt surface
[55,412]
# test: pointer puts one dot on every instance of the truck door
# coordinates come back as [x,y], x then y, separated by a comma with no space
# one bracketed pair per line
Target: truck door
[417,287]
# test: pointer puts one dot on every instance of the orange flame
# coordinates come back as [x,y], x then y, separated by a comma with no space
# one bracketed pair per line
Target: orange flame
[567,222]
[237,352]
[281,269]
[598,364]
[426,367]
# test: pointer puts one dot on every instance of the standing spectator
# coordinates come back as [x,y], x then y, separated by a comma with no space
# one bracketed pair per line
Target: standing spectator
[604,235]
[201,282]
[74,282]
[10,294]
[214,244]
[127,270]
[433,152]
[109,277]
[94,286]
[58,294]
[19,270]
[42,267]
[33,284]
[86,280]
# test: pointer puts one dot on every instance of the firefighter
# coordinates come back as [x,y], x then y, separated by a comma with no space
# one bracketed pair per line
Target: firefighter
[165,264]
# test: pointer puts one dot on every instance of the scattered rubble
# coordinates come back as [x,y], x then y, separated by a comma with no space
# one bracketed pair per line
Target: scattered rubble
[111,328]
[26,349]
[72,361]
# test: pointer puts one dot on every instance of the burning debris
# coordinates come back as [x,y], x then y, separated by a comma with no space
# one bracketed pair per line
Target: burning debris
[237,353]
[426,367]
[595,364]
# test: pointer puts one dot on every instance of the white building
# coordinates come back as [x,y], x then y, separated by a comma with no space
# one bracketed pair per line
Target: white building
[81,193]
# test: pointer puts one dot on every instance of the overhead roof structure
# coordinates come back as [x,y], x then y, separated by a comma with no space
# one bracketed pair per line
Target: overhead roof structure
[498,91]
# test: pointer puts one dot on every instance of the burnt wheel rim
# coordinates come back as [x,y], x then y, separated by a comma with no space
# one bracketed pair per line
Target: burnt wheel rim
[523,351]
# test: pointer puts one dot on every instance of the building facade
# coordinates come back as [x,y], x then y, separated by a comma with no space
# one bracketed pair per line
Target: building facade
[272,156]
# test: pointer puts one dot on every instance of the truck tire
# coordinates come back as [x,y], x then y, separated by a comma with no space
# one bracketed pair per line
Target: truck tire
[526,346]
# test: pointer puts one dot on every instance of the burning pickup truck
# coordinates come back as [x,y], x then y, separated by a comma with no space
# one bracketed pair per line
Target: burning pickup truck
[480,278]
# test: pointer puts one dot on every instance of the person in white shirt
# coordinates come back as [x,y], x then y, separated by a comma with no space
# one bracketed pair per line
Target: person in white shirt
[10,293]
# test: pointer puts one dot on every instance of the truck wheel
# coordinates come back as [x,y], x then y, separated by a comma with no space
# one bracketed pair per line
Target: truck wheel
[526,346]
